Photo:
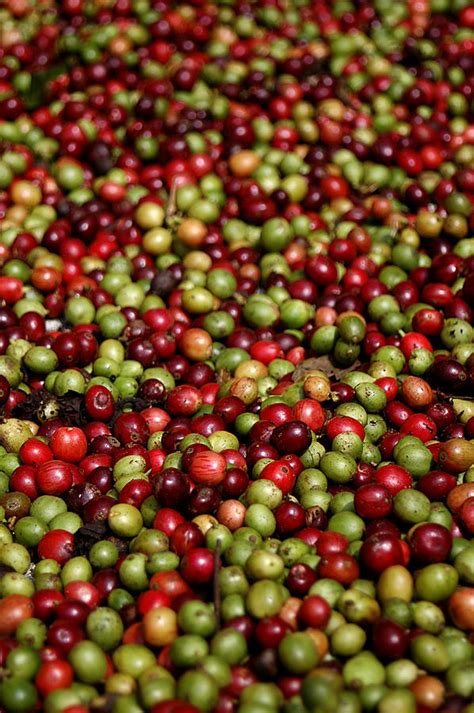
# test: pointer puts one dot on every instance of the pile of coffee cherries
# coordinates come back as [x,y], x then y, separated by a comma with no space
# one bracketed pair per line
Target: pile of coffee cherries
[236,356]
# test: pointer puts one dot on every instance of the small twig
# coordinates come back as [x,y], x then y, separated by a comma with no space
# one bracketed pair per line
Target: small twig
[223,376]
[171,207]
[347,97]
[4,674]
[447,397]
[216,580]
[240,299]
[369,189]
[323,363]
[104,703]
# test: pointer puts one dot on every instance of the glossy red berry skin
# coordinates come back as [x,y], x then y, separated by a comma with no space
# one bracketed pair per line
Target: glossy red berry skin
[373,501]
[379,552]
[57,545]
[430,542]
